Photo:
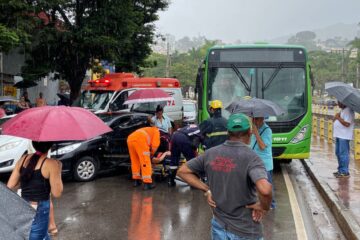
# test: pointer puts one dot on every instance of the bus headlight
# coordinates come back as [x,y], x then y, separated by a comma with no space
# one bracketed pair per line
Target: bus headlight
[300,135]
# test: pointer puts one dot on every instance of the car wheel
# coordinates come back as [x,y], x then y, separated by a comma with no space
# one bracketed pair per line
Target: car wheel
[85,169]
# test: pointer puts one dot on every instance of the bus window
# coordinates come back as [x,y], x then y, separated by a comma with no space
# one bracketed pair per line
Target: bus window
[288,90]
[225,85]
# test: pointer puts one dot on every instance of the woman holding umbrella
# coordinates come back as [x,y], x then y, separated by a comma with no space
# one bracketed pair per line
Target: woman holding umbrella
[38,176]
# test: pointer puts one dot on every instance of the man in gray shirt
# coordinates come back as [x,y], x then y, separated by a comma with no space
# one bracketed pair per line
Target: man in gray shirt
[238,188]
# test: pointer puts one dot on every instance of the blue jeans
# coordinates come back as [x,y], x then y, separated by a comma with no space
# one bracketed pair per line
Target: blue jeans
[342,151]
[270,180]
[219,233]
[39,227]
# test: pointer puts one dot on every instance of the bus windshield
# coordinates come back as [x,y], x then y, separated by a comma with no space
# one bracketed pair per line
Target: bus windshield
[285,86]
[95,100]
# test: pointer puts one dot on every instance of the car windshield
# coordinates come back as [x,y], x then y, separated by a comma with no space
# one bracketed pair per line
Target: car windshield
[147,107]
[105,117]
[95,100]
[189,107]
[285,86]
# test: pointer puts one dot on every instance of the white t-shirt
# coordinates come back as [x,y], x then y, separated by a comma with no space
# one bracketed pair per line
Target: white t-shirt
[340,131]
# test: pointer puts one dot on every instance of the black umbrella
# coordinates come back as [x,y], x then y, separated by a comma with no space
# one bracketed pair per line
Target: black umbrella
[64,99]
[345,94]
[25,84]
[16,215]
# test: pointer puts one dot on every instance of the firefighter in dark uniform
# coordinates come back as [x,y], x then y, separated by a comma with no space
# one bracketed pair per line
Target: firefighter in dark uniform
[214,129]
[184,141]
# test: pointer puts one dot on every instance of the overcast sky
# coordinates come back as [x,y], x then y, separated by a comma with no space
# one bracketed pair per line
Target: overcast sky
[253,20]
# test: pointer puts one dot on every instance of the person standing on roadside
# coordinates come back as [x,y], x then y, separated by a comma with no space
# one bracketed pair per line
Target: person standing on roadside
[2,110]
[261,143]
[214,129]
[22,104]
[38,176]
[162,121]
[343,132]
[26,97]
[40,101]
[238,189]
[143,144]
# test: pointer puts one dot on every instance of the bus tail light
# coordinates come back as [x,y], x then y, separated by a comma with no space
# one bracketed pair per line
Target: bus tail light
[300,135]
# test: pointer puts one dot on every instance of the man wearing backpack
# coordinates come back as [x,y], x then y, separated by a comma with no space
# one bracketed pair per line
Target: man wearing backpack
[261,143]
[184,141]
[214,129]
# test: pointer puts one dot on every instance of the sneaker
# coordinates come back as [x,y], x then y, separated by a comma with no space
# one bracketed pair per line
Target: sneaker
[335,173]
[342,175]
[148,186]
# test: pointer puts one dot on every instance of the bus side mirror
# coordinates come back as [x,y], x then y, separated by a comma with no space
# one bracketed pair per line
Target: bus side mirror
[312,78]
[199,85]
[199,78]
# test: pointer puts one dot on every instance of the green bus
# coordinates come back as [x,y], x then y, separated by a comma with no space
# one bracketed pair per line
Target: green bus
[280,73]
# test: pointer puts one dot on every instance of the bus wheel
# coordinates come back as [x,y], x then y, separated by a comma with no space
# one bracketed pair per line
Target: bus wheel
[286,161]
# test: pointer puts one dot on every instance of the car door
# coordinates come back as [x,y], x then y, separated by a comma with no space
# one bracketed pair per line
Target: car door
[113,144]
[122,128]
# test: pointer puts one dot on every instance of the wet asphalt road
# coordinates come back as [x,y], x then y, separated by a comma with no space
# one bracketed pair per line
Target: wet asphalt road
[110,208]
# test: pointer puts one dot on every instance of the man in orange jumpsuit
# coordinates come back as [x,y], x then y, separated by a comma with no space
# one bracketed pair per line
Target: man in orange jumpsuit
[142,143]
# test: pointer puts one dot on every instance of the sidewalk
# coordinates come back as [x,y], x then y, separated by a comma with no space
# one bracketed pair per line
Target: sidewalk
[342,195]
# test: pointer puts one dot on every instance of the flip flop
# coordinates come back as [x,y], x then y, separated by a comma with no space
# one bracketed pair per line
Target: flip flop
[53,231]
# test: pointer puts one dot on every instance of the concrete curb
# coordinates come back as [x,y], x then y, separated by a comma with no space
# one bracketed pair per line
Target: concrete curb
[343,216]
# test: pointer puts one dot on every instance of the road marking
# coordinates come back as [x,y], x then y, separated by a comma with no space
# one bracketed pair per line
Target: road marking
[298,219]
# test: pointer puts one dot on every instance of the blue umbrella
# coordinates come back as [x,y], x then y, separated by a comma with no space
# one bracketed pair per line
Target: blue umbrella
[345,94]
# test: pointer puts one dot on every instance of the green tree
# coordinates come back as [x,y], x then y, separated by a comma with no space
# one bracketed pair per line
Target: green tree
[325,67]
[68,34]
[8,39]
[304,38]
[15,27]
[183,65]
[355,64]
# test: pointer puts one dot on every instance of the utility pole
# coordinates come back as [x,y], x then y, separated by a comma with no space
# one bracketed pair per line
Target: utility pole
[357,75]
[342,66]
[2,72]
[168,61]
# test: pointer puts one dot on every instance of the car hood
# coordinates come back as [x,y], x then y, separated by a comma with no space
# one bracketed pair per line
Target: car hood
[6,139]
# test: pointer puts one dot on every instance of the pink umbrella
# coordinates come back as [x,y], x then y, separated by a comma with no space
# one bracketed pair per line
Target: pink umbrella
[55,123]
[148,95]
